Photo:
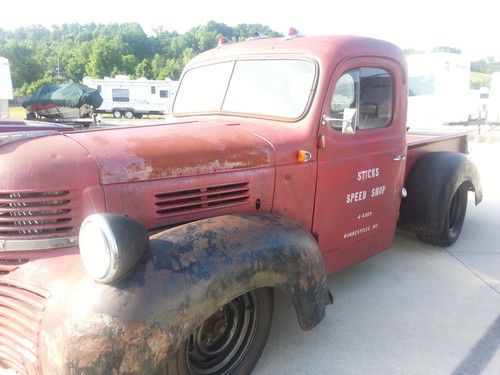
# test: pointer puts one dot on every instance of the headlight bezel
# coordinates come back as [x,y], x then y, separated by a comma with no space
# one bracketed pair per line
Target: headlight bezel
[123,243]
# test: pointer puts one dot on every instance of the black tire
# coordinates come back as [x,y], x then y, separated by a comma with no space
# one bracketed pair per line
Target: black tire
[129,114]
[230,341]
[453,222]
[117,113]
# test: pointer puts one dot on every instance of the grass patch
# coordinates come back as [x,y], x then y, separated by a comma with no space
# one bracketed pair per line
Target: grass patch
[17,113]
[478,80]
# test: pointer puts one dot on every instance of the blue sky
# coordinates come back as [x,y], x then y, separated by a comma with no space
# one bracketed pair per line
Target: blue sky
[469,25]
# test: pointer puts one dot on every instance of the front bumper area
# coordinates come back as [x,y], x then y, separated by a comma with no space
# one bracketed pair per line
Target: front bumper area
[74,325]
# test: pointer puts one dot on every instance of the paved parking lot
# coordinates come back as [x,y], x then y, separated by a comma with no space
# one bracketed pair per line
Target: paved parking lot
[414,309]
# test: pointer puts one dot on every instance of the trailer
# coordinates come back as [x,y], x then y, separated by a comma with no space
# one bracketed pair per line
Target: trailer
[493,116]
[438,89]
[5,88]
[124,97]
[478,104]
[71,103]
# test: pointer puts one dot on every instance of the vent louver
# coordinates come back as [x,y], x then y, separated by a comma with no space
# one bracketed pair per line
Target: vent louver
[41,214]
[201,199]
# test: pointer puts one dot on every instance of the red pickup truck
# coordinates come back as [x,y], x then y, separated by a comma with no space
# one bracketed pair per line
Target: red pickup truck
[157,249]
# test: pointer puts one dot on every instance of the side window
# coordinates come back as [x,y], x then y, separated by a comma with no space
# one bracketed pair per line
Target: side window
[163,94]
[363,97]
[344,105]
[153,90]
[120,95]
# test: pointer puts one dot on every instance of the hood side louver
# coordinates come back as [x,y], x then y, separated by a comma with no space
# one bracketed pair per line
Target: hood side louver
[37,214]
[201,199]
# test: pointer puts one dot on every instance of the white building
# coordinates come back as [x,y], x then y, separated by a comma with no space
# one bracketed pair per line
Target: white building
[438,89]
[5,88]
[133,97]
[493,116]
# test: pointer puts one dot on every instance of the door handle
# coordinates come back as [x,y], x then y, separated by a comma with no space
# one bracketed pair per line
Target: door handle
[399,157]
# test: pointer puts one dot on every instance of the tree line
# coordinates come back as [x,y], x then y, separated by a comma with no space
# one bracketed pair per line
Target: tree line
[65,53]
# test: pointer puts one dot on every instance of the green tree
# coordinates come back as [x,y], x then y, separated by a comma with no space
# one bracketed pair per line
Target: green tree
[97,50]
[487,65]
[28,89]
[447,49]
[104,59]
[24,66]
[129,63]
[143,69]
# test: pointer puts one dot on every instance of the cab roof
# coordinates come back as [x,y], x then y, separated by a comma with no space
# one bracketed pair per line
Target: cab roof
[321,48]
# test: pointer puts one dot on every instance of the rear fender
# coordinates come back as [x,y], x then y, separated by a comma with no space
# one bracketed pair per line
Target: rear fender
[431,183]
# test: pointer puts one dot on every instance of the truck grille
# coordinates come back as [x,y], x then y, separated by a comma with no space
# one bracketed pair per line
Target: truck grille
[201,199]
[37,214]
[21,309]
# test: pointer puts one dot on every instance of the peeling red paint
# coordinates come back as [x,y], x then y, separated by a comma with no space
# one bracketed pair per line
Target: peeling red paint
[174,150]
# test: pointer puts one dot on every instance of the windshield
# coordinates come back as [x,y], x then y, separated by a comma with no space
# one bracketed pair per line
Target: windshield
[274,88]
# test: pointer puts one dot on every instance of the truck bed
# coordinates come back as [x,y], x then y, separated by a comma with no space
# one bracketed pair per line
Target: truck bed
[422,143]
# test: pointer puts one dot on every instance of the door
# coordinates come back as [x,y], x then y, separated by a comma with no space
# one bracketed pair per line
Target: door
[361,160]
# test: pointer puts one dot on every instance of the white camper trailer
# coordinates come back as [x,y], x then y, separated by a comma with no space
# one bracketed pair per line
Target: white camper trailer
[478,103]
[438,89]
[5,88]
[133,97]
[493,116]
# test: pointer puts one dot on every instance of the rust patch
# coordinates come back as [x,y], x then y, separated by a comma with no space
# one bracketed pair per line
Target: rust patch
[158,345]
[88,349]
[134,355]
[190,271]
[99,139]
[150,153]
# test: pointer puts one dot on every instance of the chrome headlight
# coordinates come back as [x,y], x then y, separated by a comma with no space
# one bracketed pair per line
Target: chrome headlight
[111,245]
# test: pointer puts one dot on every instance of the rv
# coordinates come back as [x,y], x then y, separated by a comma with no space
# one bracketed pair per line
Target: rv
[438,89]
[493,116]
[124,97]
[478,105]
[5,88]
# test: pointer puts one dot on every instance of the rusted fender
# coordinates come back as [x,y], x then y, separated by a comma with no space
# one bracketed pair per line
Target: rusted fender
[431,183]
[188,274]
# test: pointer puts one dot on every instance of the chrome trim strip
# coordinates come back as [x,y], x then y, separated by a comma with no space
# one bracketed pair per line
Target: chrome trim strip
[33,245]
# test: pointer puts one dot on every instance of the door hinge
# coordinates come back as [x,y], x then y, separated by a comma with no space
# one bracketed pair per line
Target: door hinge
[321,141]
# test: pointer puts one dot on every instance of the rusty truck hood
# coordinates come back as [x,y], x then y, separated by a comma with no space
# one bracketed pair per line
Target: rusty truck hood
[174,150]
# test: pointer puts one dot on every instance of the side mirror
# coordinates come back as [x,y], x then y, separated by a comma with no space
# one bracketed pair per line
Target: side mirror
[347,121]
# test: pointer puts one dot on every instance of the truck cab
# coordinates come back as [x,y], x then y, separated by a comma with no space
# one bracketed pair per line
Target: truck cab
[157,249]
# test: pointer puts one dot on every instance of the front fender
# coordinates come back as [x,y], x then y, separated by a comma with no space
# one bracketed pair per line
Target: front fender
[189,273]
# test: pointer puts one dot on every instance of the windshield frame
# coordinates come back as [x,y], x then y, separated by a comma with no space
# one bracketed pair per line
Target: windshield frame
[234,60]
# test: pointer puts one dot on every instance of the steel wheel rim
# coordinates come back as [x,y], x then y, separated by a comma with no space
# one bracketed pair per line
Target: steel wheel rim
[223,340]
